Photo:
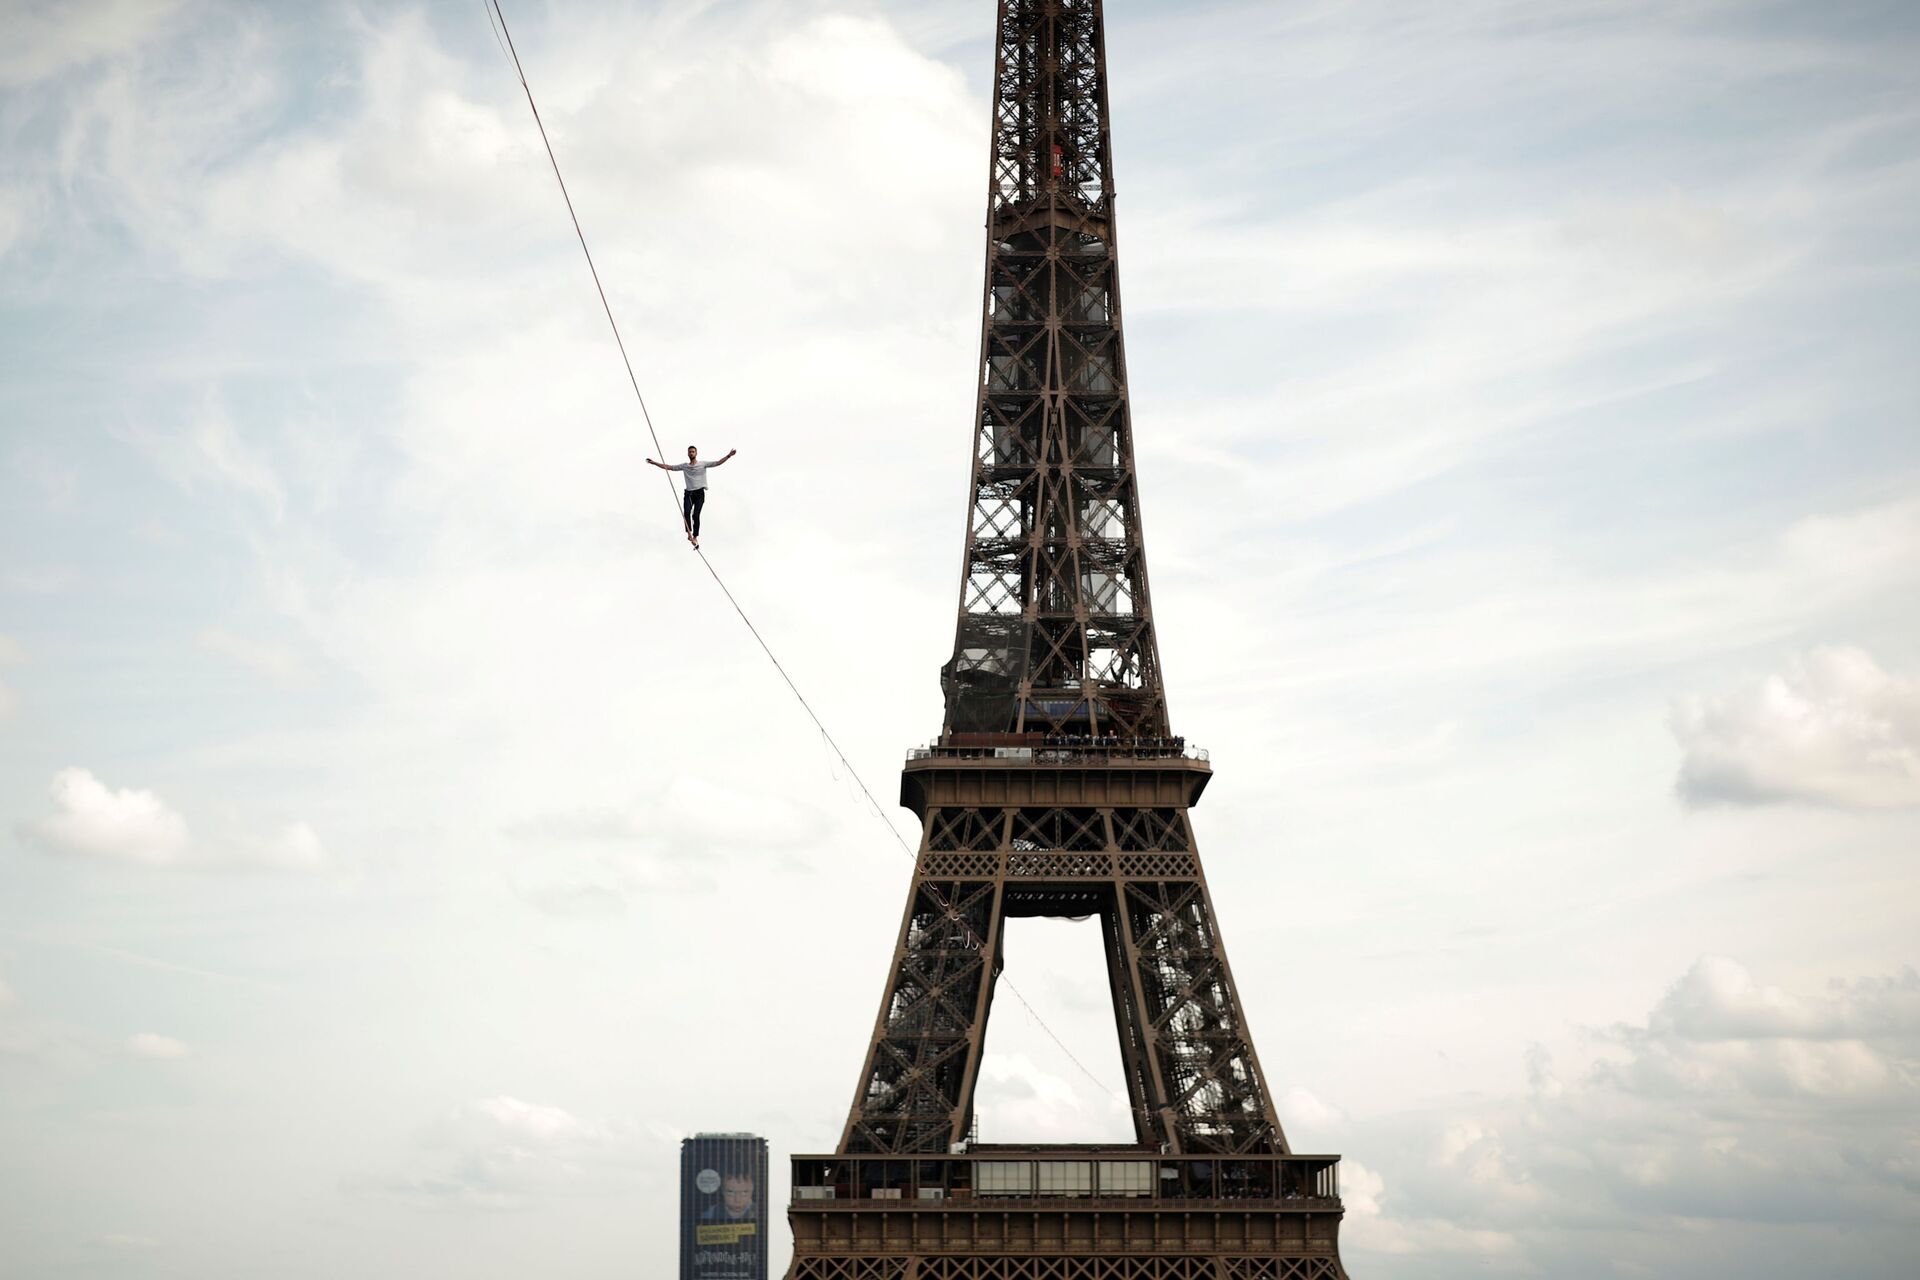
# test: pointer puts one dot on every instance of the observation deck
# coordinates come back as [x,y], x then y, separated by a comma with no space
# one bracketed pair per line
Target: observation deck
[1048,769]
[1065,1200]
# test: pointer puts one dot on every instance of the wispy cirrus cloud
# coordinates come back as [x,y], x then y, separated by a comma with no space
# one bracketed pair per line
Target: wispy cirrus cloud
[49,37]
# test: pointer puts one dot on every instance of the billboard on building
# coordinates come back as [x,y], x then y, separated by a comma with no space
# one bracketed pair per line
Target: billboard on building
[723,1207]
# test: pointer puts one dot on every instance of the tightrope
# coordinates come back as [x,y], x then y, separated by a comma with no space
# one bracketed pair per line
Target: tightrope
[497,18]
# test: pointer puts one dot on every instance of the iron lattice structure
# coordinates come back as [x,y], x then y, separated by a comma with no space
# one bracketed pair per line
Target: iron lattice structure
[1056,627]
[1056,788]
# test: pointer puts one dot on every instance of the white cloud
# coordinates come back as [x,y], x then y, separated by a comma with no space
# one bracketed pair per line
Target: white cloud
[1834,729]
[211,451]
[1371,1227]
[1774,1067]
[1735,1105]
[136,826]
[47,37]
[228,458]
[147,1044]
[1719,999]
[529,1121]
[295,847]
[1302,1110]
[1018,1098]
[93,820]
[1719,1030]
[6,994]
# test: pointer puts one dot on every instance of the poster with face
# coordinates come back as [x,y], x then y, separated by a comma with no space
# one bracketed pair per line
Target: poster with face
[723,1232]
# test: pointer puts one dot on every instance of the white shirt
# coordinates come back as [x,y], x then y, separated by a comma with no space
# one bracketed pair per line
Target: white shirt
[696,472]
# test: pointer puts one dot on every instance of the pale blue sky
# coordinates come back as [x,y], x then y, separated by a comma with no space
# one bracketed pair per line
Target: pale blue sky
[402,844]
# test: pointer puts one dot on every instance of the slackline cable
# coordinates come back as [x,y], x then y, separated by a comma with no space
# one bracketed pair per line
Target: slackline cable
[497,18]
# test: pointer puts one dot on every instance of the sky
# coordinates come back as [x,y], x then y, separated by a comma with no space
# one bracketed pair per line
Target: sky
[403,845]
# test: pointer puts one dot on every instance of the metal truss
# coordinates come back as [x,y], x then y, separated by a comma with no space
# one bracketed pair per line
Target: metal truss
[1192,1076]
[1056,627]
[1057,789]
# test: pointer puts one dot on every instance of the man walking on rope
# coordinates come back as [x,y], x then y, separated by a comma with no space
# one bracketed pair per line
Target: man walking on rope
[695,496]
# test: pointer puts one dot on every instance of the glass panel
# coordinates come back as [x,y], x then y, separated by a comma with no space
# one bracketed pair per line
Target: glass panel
[1066,1177]
[1003,1178]
[1126,1178]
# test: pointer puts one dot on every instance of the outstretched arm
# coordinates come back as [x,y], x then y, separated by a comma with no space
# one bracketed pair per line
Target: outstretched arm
[730,453]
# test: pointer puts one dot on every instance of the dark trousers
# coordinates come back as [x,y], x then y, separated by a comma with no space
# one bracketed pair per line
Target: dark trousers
[690,503]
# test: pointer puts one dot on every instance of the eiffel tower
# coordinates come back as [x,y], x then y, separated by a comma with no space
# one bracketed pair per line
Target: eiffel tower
[1057,788]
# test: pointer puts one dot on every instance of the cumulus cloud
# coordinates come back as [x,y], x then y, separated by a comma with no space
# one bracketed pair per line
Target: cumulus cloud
[1736,1105]
[1720,1031]
[1301,1110]
[148,1044]
[528,1120]
[94,820]
[1018,1096]
[1833,729]
[1373,1225]
[135,826]
[1719,999]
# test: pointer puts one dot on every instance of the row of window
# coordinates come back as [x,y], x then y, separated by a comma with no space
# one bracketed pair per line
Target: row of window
[1062,1177]
[1067,1179]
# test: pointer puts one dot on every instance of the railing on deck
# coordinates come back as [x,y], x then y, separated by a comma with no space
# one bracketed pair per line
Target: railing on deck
[1297,1181]
[1055,748]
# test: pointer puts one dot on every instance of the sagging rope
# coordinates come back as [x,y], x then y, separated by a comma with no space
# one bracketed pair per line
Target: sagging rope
[497,17]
